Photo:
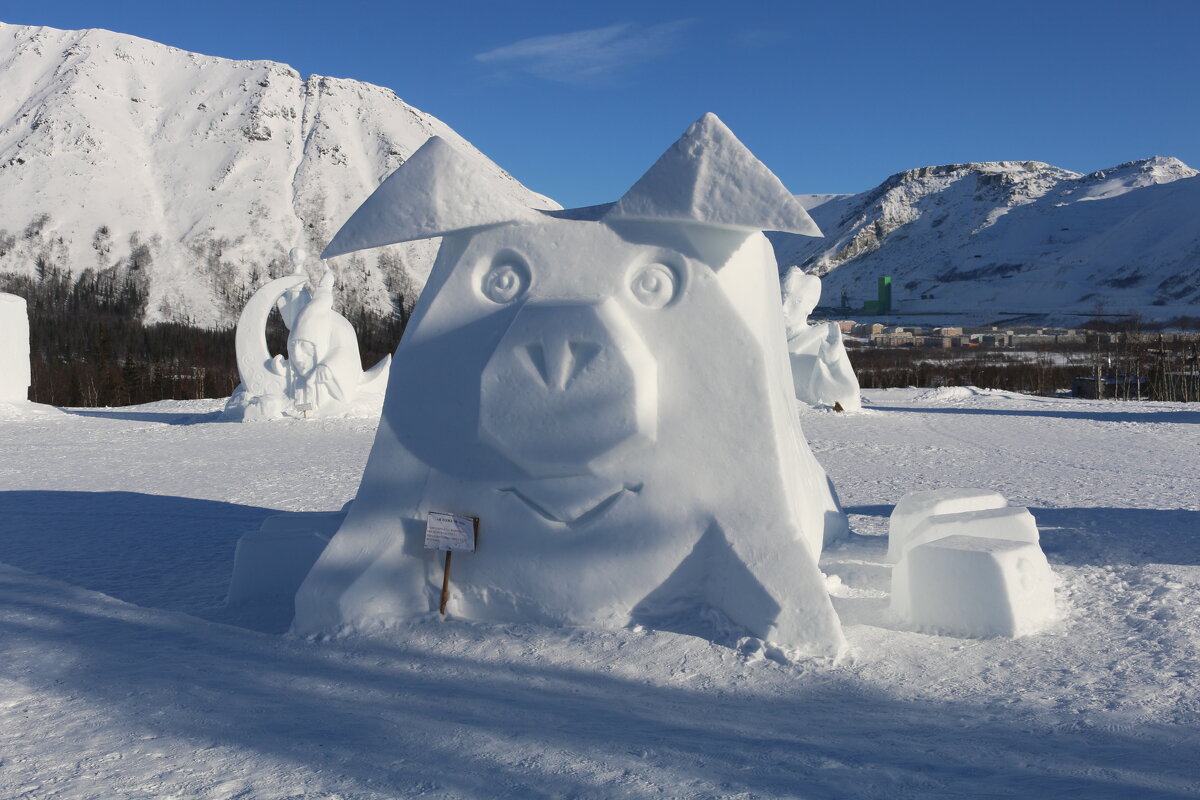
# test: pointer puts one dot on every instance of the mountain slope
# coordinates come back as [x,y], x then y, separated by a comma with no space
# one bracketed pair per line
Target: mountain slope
[1020,237]
[195,174]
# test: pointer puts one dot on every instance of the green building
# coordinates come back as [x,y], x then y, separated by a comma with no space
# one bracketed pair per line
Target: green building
[882,305]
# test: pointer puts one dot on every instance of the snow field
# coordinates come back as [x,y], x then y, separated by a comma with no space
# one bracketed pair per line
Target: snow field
[177,696]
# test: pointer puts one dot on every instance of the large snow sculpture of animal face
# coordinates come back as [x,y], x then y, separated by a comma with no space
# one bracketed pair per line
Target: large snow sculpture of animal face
[606,390]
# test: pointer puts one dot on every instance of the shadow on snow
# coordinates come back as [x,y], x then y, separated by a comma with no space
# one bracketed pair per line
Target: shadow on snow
[163,417]
[151,550]
[367,717]
[1089,415]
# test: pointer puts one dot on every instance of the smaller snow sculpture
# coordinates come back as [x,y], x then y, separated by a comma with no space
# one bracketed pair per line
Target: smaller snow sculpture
[322,375]
[975,572]
[821,370]
[14,354]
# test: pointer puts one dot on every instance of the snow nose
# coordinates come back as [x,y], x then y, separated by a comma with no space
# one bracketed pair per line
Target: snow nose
[557,361]
[567,384]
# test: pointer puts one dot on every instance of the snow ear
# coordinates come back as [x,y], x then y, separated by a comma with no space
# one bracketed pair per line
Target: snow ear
[708,177]
[437,191]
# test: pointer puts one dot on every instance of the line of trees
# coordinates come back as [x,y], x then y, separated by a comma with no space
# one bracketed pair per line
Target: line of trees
[1156,366]
[1126,366]
[886,368]
[89,347]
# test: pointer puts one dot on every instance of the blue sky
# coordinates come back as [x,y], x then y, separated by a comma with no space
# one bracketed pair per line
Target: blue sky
[577,99]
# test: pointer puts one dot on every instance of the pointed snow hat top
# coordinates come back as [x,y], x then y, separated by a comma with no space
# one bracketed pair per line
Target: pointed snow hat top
[709,177]
[437,191]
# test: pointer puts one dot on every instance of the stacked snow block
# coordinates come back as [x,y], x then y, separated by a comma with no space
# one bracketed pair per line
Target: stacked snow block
[14,355]
[968,565]
[271,562]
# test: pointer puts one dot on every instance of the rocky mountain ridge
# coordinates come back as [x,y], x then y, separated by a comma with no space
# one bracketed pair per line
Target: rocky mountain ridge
[193,175]
[1013,238]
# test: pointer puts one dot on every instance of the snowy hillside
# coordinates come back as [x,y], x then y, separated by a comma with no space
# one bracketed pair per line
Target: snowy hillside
[197,174]
[122,676]
[1013,237]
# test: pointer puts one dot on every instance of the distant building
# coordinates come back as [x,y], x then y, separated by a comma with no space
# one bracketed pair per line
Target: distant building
[902,339]
[992,339]
[1122,386]
[883,302]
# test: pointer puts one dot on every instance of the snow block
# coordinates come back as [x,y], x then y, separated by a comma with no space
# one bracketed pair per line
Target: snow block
[974,586]
[915,507]
[14,354]
[608,394]
[271,563]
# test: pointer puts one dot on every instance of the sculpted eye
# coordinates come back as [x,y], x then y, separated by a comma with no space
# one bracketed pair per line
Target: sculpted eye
[654,285]
[505,281]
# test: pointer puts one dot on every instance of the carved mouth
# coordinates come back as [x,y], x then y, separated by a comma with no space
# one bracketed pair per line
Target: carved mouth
[571,511]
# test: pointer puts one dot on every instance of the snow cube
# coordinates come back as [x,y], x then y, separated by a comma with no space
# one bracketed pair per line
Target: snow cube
[14,355]
[272,561]
[915,507]
[974,586]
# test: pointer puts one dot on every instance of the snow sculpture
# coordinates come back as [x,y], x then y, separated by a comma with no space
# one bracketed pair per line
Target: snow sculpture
[322,374]
[978,572]
[821,370]
[14,355]
[604,388]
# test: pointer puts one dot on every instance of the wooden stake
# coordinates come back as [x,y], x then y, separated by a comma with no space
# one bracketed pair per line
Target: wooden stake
[446,572]
[445,583]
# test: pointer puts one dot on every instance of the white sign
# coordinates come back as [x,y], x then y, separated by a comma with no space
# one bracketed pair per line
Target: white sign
[449,532]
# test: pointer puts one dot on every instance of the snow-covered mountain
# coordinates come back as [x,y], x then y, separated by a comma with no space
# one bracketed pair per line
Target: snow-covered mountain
[1019,237]
[195,174]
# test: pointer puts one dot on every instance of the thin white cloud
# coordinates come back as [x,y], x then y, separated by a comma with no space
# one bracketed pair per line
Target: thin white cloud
[587,57]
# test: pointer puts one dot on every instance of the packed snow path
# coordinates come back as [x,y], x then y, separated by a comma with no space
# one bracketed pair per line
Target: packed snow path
[148,691]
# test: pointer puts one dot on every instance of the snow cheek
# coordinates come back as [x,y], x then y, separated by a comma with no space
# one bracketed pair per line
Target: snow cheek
[568,383]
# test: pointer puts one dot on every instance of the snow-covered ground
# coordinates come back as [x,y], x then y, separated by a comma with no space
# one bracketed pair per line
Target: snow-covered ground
[122,676]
